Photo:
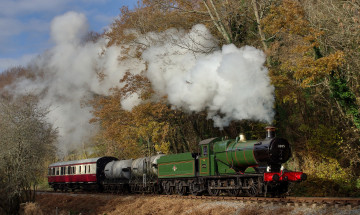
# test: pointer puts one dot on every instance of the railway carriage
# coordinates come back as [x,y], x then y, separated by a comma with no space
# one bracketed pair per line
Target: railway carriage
[79,174]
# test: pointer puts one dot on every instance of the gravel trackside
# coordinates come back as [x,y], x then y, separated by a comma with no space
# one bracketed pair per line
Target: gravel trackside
[65,204]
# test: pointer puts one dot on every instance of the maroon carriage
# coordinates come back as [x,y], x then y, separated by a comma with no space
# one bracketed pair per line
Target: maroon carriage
[86,174]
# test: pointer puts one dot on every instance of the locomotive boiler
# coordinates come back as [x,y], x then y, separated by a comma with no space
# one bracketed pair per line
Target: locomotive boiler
[240,154]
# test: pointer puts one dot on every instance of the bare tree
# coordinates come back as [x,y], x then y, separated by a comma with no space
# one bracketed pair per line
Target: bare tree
[26,142]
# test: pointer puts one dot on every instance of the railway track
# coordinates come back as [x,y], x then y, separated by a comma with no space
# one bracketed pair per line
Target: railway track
[290,201]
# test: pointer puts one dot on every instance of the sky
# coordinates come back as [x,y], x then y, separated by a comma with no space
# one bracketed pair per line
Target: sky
[25,24]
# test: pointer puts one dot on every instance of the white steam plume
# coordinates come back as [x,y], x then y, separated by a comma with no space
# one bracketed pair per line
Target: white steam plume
[68,77]
[231,84]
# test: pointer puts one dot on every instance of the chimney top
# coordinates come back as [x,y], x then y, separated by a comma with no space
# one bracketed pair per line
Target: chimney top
[270,131]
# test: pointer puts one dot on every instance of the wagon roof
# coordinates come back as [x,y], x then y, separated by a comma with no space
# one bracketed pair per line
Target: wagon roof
[64,163]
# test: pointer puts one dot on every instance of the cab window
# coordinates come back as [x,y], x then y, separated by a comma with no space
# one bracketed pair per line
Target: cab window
[205,150]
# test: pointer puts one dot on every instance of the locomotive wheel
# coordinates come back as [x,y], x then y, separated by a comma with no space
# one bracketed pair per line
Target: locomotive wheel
[233,192]
[212,192]
[253,187]
[167,188]
[181,188]
[194,188]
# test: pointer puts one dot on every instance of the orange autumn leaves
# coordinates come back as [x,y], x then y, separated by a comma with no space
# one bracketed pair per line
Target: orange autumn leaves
[305,64]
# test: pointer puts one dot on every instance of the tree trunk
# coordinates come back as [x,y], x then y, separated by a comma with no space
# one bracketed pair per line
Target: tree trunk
[217,21]
[261,33]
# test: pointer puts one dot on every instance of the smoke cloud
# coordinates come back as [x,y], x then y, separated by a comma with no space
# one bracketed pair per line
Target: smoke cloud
[67,77]
[188,67]
[230,84]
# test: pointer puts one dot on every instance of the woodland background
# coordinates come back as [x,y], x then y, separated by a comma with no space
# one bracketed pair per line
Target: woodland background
[313,55]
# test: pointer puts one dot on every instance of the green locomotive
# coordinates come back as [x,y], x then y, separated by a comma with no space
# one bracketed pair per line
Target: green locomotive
[235,167]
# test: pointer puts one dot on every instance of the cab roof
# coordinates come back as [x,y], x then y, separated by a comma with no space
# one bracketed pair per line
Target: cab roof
[207,141]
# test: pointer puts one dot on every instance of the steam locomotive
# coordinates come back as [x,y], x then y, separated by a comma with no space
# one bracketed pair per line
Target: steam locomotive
[234,167]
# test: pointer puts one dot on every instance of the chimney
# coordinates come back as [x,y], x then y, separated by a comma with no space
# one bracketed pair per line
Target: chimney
[270,132]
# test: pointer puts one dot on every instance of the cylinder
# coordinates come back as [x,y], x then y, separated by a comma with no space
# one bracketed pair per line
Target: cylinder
[153,164]
[118,169]
[145,165]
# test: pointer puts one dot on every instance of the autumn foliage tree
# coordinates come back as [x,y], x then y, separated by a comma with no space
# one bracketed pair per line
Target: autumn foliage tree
[314,98]
[27,142]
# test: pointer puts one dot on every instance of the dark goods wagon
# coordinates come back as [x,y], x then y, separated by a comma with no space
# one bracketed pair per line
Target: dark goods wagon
[235,167]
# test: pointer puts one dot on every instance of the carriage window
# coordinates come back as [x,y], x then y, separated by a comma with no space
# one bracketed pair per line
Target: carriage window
[205,150]
[53,171]
[73,170]
[85,169]
[57,170]
[89,168]
[79,169]
[69,170]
